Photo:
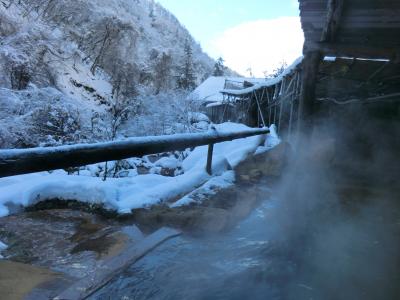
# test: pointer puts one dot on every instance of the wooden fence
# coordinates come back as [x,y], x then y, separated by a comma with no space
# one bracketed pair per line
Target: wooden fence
[23,161]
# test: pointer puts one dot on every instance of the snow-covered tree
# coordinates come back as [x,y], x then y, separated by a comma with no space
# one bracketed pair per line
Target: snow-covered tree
[278,71]
[187,77]
[219,67]
[58,123]
[101,58]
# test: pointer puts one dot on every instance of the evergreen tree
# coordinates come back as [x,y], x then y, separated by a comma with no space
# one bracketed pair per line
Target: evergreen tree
[162,70]
[219,67]
[187,78]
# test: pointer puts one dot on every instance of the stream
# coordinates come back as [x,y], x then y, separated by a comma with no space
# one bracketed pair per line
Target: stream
[300,251]
[232,265]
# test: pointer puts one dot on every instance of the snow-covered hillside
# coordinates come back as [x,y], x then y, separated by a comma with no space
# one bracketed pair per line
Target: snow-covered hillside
[106,60]
[105,33]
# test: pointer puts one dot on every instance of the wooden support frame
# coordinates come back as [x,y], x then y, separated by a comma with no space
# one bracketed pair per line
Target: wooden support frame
[259,108]
[294,83]
[281,92]
[269,107]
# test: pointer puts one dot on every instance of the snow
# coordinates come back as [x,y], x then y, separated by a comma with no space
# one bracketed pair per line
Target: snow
[209,90]
[267,83]
[196,117]
[167,162]
[330,58]
[81,76]
[125,194]
[209,188]
[2,248]
[272,140]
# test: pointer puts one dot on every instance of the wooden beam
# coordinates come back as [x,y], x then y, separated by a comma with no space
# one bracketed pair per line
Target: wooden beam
[335,10]
[357,51]
[365,100]
[23,161]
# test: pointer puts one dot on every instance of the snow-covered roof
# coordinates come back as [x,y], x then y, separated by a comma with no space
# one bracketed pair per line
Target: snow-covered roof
[265,83]
[210,90]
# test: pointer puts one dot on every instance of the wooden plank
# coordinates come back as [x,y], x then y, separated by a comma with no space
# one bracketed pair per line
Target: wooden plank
[115,266]
[22,161]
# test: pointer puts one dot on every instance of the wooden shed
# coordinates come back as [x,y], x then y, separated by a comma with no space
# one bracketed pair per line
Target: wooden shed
[356,29]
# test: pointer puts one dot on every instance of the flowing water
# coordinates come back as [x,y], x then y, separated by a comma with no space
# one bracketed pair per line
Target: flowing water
[295,251]
[232,265]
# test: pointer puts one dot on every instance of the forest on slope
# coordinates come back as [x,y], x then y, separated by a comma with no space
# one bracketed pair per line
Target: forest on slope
[94,70]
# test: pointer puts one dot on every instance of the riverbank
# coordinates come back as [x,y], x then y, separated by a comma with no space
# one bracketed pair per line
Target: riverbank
[69,240]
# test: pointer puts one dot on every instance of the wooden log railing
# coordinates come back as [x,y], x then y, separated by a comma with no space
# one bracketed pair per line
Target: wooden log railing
[23,161]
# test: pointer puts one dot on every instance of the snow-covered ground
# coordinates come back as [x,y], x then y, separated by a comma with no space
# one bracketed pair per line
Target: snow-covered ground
[125,194]
[2,247]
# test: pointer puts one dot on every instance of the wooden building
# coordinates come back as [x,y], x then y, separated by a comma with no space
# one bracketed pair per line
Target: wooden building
[351,55]
[355,29]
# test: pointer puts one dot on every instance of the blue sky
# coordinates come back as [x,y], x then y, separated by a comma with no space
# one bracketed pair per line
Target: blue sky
[209,21]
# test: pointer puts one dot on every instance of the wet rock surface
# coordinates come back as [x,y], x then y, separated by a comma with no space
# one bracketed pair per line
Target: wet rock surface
[17,279]
[68,241]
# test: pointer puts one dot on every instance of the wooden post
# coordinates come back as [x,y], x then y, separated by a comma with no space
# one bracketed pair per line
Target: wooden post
[292,100]
[291,117]
[269,108]
[209,158]
[276,95]
[281,94]
[307,91]
[259,111]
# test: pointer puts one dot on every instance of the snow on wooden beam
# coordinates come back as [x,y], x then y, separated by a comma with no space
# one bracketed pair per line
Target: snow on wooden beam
[23,161]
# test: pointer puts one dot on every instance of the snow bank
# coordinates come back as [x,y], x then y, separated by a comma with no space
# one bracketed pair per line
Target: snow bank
[125,194]
[272,140]
[2,248]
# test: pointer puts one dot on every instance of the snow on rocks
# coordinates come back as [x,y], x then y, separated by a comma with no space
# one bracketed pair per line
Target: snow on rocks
[125,194]
[168,163]
[2,248]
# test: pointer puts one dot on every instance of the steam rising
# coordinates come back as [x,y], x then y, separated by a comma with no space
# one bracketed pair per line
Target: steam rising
[338,214]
